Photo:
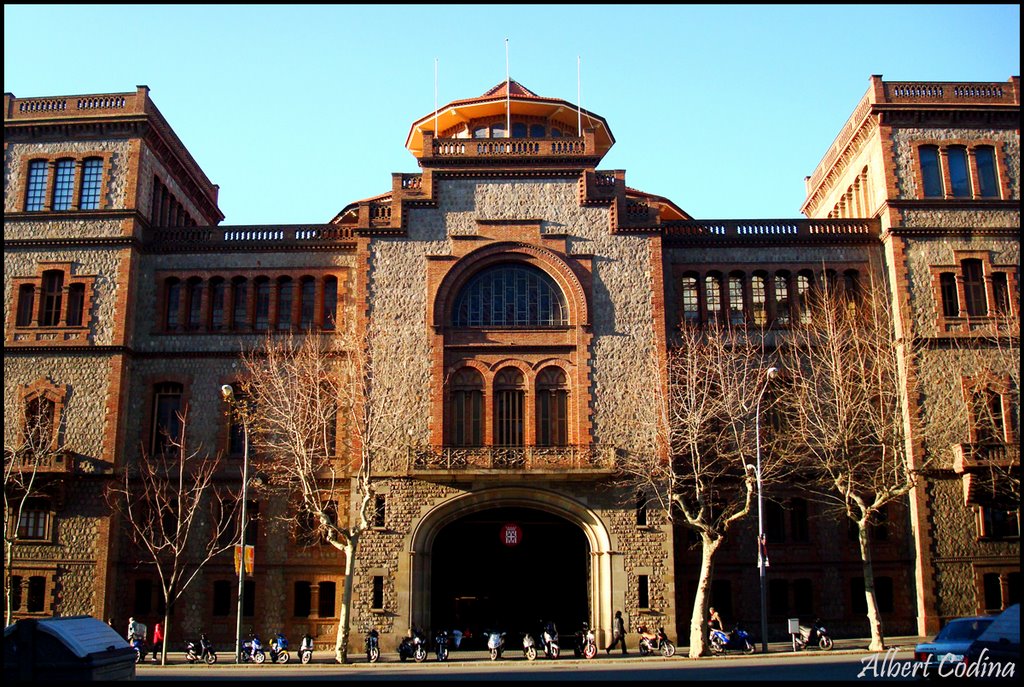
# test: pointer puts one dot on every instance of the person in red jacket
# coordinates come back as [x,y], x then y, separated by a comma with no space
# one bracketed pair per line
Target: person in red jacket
[158,639]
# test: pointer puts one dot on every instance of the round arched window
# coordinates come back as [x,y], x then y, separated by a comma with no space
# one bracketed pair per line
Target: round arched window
[510,295]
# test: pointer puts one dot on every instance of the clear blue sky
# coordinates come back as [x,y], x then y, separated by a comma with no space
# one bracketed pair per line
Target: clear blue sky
[295,111]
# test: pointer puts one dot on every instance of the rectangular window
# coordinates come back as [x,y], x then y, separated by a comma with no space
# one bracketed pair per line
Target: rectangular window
[38,175]
[713,297]
[76,304]
[1001,293]
[284,304]
[238,318]
[34,522]
[26,305]
[781,299]
[379,510]
[166,422]
[691,306]
[987,179]
[303,599]
[974,287]
[377,602]
[950,298]
[643,591]
[641,510]
[999,523]
[217,305]
[330,302]
[327,600]
[959,177]
[262,305]
[195,304]
[36,595]
[53,291]
[307,294]
[92,183]
[736,300]
[222,598]
[931,175]
[64,185]
[757,293]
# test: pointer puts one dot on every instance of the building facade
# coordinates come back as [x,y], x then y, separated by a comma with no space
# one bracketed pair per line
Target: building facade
[526,291]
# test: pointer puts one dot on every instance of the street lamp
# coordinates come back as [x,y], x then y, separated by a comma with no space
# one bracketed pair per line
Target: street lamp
[228,394]
[762,562]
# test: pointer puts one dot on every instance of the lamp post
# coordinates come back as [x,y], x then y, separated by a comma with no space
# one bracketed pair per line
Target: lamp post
[762,564]
[228,394]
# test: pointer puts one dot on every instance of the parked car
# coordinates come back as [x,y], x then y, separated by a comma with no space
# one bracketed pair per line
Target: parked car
[996,649]
[950,645]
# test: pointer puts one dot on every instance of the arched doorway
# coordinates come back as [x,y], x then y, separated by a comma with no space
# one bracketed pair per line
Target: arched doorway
[507,569]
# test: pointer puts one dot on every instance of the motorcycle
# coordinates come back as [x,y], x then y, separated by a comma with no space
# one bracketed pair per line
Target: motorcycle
[413,647]
[140,648]
[306,650]
[529,647]
[496,644]
[206,652]
[650,642]
[549,637]
[815,634]
[252,650]
[441,645]
[586,645]
[737,640]
[372,646]
[279,649]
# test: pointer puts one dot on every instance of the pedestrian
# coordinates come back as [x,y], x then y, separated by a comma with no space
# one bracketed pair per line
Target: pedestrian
[133,629]
[158,639]
[619,634]
[715,620]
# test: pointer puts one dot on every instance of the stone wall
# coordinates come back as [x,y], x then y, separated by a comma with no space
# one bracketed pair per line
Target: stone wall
[906,159]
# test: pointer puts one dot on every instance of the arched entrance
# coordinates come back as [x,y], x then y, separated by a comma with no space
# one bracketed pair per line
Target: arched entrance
[562,528]
[509,568]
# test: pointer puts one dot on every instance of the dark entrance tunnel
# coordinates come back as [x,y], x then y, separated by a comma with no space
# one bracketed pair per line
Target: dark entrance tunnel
[480,583]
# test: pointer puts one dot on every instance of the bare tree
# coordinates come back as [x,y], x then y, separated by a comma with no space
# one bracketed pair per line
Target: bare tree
[176,514]
[847,415]
[320,416]
[26,464]
[701,466]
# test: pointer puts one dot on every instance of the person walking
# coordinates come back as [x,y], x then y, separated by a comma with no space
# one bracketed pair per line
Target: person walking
[158,639]
[619,634]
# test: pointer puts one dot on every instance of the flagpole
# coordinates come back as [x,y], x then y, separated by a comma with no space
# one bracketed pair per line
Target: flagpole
[436,132]
[579,116]
[508,96]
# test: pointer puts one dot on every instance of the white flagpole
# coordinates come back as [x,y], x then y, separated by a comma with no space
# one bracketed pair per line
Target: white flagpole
[508,96]
[579,116]
[436,132]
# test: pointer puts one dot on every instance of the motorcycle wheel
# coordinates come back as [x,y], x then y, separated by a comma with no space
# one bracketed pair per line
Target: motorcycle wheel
[716,645]
[555,651]
[421,655]
[210,659]
[668,649]
[372,654]
[825,643]
[283,657]
[747,646]
[644,647]
[531,653]
[590,650]
[260,657]
[494,654]
[138,656]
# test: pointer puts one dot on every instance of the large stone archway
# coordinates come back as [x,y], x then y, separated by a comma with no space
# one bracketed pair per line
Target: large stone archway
[415,566]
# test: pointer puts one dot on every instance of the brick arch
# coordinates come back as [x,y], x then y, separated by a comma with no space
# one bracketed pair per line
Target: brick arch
[547,261]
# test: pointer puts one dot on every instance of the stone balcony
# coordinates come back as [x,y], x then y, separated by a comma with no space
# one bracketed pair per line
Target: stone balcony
[551,462]
[57,462]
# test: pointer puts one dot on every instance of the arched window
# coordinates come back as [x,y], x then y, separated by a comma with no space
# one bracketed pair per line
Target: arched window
[40,421]
[26,305]
[239,293]
[713,297]
[537,131]
[988,179]
[499,131]
[782,298]
[691,303]
[959,177]
[172,301]
[552,407]
[307,296]
[330,302]
[467,399]
[804,284]
[64,185]
[284,303]
[52,297]
[166,421]
[509,395]
[556,133]
[92,183]
[35,194]
[758,298]
[261,316]
[195,303]
[217,290]
[931,174]
[481,132]
[736,299]
[518,130]
[510,295]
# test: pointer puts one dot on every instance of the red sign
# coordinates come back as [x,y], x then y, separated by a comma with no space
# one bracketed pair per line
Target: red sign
[511,534]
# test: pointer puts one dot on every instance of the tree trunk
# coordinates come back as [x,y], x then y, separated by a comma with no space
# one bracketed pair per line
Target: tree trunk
[167,633]
[8,580]
[341,644]
[874,620]
[698,626]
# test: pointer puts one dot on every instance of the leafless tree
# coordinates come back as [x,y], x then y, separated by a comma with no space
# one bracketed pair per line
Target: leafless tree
[846,412]
[175,513]
[322,411]
[27,460]
[700,468]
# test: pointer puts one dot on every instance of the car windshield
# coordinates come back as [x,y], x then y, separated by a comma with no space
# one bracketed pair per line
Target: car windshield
[963,630]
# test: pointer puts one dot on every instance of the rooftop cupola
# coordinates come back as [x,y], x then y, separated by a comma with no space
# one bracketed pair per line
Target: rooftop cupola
[509,123]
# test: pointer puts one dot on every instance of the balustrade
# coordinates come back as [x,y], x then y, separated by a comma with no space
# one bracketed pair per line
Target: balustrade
[518,147]
[773,227]
[256,235]
[529,458]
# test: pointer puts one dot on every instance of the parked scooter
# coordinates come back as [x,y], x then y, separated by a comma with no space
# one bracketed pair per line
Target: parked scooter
[205,649]
[529,646]
[651,642]
[737,640]
[496,644]
[586,645]
[549,639]
[306,649]
[139,645]
[252,650]
[815,634]
[413,647]
[279,649]
[441,645]
[373,646]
